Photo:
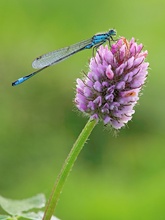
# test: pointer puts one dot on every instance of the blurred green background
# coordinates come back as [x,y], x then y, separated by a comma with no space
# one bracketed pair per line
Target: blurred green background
[118,178]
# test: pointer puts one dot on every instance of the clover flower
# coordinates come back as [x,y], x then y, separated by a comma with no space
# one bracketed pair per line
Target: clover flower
[111,88]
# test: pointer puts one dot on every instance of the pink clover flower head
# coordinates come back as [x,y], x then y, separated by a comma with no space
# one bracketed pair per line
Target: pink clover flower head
[111,88]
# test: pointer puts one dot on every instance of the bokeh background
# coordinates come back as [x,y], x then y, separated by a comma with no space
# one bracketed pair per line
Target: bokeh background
[118,178]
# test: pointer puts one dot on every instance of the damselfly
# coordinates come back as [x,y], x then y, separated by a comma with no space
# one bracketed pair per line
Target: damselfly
[56,56]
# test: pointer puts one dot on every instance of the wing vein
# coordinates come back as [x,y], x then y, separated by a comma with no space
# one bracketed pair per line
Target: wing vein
[56,56]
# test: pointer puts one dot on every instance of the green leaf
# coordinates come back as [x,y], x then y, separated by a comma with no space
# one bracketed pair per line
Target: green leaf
[4,217]
[36,216]
[32,215]
[16,207]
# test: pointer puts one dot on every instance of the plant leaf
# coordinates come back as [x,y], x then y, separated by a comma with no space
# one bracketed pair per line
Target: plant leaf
[16,207]
[36,216]
[32,216]
[4,217]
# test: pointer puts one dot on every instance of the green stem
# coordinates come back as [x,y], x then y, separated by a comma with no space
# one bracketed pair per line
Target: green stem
[68,164]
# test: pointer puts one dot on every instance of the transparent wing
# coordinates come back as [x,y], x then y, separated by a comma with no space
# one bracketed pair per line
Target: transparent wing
[56,56]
